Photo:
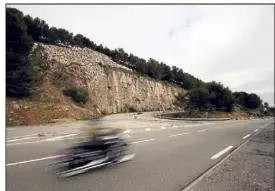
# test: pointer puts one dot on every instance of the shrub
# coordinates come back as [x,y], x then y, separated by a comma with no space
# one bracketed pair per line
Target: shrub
[132,109]
[79,95]
[104,112]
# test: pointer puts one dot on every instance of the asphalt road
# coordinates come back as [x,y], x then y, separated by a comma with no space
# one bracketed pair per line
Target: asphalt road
[249,168]
[169,155]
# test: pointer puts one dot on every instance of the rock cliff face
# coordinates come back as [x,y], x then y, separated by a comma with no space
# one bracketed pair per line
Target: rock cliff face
[112,88]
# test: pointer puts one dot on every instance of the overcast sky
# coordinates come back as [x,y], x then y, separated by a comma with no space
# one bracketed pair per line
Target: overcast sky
[231,44]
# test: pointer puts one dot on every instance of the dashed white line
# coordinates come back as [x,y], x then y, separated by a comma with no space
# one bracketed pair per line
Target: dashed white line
[128,131]
[256,130]
[143,141]
[147,129]
[201,130]
[221,152]
[246,136]
[163,127]
[178,134]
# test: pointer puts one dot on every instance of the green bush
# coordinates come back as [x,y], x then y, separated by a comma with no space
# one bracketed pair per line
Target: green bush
[79,95]
[104,112]
[132,109]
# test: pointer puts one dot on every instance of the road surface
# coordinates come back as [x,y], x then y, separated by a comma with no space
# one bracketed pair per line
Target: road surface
[169,155]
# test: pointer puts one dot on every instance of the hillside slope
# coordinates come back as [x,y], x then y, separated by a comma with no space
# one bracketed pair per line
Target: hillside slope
[111,87]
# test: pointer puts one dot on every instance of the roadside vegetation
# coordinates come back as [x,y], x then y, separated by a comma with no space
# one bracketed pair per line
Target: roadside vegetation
[214,98]
[79,95]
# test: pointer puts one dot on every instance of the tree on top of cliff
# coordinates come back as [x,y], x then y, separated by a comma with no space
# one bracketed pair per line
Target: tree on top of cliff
[18,45]
[266,105]
[251,100]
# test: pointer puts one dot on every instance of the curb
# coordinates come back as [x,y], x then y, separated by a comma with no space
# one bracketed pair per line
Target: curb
[200,177]
[192,119]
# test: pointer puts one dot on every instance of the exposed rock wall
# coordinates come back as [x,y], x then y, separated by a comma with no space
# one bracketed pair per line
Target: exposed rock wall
[112,88]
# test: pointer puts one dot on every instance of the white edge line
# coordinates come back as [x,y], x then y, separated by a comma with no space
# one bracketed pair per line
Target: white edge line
[256,130]
[221,152]
[24,143]
[246,136]
[46,140]
[17,137]
[9,128]
[14,140]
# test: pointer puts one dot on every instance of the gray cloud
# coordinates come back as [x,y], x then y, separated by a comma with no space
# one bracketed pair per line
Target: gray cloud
[182,27]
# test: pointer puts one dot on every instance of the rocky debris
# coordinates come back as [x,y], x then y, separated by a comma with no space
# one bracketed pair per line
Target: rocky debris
[16,106]
[82,56]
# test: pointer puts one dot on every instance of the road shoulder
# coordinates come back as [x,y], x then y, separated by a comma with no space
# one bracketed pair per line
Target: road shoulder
[251,168]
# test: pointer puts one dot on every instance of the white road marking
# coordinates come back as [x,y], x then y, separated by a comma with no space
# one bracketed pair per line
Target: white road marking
[163,127]
[34,160]
[221,152]
[246,136]
[53,157]
[199,124]
[147,129]
[18,137]
[46,140]
[14,140]
[60,137]
[256,130]
[201,130]
[128,131]
[10,129]
[143,141]
[178,134]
